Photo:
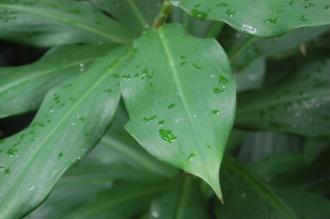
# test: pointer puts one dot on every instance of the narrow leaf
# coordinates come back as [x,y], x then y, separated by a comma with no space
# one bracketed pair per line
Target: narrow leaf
[183,199]
[120,202]
[262,18]
[71,120]
[137,15]
[180,97]
[23,88]
[49,23]
[248,195]
[299,105]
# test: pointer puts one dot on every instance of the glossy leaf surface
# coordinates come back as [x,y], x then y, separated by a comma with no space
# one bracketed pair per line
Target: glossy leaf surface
[248,195]
[71,120]
[137,15]
[183,199]
[180,97]
[263,17]
[49,23]
[299,105]
[120,202]
[23,88]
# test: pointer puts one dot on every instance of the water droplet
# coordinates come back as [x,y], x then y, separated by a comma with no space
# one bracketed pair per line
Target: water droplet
[209,146]
[199,14]
[30,187]
[161,122]
[171,106]
[272,20]
[230,12]
[308,5]
[197,66]
[2,168]
[51,110]
[191,157]
[82,67]
[216,112]
[11,152]
[60,155]
[249,29]
[148,119]
[7,171]
[167,135]
[218,90]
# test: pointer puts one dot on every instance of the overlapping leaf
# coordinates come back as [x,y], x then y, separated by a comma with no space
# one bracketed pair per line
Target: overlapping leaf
[263,17]
[71,120]
[180,97]
[137,15]
[49,23]
[23,88]
[183,199]
[246,194]
[299,105]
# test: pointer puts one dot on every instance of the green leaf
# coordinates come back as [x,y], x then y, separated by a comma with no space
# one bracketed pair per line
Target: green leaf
[307,204]
[248,195]
[71,120]
[182,200]
[49,23]
[137,15]
[298,105]
[23,88]
[251,77]
[180,97]
[128,151]
[196,27]
[83,181]
[263,18]
[244,49]
[123,201]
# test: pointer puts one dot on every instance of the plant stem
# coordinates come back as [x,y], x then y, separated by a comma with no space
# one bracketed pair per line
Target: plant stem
[165,11]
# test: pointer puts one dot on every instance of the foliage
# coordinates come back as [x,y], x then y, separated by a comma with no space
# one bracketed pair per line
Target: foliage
[145,107]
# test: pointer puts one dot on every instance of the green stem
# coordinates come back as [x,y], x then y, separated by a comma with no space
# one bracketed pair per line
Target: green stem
[164,13]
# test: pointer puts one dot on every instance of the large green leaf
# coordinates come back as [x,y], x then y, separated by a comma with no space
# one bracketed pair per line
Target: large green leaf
[180,97]
[23,88]
[121,202]
[137,15]
[263,17]
[182,200]
[299,105]
[71,120]
[48,23]
[248,195]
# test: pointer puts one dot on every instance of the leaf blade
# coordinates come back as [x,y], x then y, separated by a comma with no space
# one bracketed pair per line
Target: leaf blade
[177,137]
[70,116]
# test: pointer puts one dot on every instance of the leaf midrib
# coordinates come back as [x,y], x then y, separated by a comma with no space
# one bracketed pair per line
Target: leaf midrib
[320,93]
[260,188]
[75,23]
[143,22]
[30,77]
[154,189]
[61,121]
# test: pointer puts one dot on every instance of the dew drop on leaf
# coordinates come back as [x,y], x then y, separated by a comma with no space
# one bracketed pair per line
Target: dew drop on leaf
[191,157]
[167,135]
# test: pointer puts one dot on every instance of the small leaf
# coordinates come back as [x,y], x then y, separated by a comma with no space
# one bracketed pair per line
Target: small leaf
[71,120]
[49,23]
[299,105]
[23,88]
[171,68]
[262,18]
